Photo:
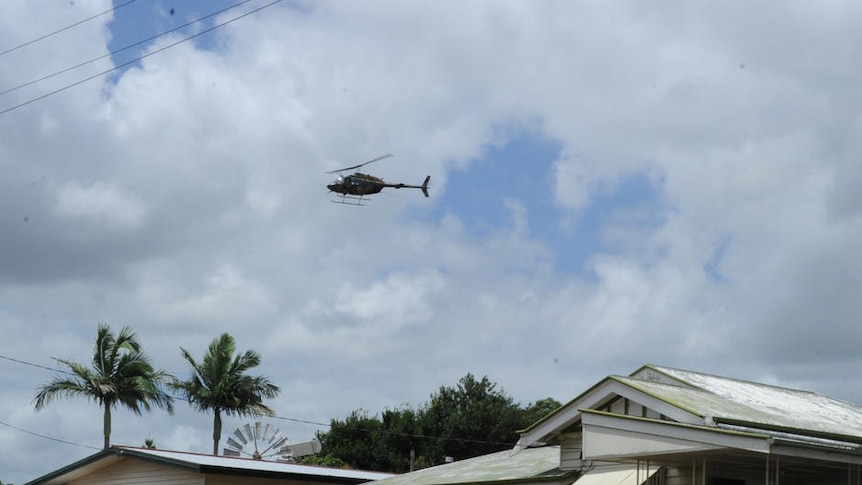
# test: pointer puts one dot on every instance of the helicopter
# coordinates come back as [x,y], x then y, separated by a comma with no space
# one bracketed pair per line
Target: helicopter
[355,186]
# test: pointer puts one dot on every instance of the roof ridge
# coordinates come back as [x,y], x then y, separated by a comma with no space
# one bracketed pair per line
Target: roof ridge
[661,369]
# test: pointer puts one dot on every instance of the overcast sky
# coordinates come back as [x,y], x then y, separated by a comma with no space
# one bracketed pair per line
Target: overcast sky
[612,184]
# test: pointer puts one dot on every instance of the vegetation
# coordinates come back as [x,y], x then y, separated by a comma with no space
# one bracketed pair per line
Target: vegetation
[119,374]
[472,418]
[219,384]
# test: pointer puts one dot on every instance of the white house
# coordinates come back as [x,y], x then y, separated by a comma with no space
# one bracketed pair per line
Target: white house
[665,426]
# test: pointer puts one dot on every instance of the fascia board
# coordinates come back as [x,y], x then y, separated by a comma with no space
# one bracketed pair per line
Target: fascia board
[566,415]
[594,397]
[814,452]
[703,436]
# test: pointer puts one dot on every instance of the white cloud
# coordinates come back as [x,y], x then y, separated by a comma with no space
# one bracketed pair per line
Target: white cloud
[102,205]
[196,184]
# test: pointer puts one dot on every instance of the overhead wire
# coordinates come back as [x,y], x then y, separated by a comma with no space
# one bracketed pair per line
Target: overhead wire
[395,433]
[122,49]
[22,430]
[115,68]
[43,37]
[136,59]
[40,366]
[294,420]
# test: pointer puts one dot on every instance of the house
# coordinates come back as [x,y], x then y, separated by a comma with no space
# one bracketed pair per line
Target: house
[666,426]
[120,465]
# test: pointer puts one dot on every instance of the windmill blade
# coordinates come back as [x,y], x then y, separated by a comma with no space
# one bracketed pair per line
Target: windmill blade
[233,445]
[361,164]
[275,447]
[239,436]
[262,441]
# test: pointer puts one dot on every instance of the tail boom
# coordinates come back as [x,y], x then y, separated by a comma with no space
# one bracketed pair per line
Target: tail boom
[423,187]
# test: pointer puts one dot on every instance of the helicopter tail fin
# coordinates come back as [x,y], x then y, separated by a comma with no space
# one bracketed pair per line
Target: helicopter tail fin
[425,185]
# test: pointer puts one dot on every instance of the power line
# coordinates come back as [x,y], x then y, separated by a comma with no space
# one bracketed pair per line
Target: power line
[294,420]
[22,430]
[120,66]
[396,433]
[34,365]
[117,51]
[37,39]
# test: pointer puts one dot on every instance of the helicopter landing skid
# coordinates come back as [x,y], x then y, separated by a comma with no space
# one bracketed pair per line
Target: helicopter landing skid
[350,200]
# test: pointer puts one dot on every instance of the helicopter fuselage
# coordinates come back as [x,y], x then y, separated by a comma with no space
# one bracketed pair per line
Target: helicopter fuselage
[358,184]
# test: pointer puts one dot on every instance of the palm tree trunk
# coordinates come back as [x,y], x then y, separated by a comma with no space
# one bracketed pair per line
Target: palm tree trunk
[216,430]
[106,425]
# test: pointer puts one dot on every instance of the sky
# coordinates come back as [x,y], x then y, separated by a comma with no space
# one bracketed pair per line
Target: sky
[612,184]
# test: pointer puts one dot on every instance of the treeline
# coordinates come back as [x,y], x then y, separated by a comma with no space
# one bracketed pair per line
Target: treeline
[472,418]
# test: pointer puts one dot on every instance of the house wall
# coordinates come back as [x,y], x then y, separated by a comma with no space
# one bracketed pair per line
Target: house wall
[627,407]
[571,447]
[133,472]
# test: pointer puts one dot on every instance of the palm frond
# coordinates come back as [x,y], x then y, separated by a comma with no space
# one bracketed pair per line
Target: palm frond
[120,374]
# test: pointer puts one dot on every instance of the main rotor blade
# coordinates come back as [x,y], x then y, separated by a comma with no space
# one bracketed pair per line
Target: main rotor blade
[361,164]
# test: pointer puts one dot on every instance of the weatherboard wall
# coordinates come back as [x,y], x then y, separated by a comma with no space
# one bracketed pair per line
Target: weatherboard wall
[136,472]
[571,447]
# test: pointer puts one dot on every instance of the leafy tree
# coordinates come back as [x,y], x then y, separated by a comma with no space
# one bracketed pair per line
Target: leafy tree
[119,373]
[472,418]
[370,443]
[219,384]
[354,441]
[538,410]
[323,460]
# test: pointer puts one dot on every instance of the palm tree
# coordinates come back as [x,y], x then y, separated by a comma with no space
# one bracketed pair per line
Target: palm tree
[120,373]
[219,384]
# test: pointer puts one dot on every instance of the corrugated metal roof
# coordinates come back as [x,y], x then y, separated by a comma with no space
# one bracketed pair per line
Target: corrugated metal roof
[723,398]
[503,466]
[248,464]
[208,464]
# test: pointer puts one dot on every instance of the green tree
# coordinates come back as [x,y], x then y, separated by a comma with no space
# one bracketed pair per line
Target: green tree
[368,442]
[472,418]
[354,441]
[538,410]
[119,374]
[219,384]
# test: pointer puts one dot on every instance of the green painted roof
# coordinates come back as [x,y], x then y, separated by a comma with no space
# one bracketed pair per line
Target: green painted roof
[501,467]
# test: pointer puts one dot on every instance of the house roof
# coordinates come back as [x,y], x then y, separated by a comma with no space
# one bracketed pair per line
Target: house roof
[709,400]
[534,464]
[209,464]
[661,416]
[762,406]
